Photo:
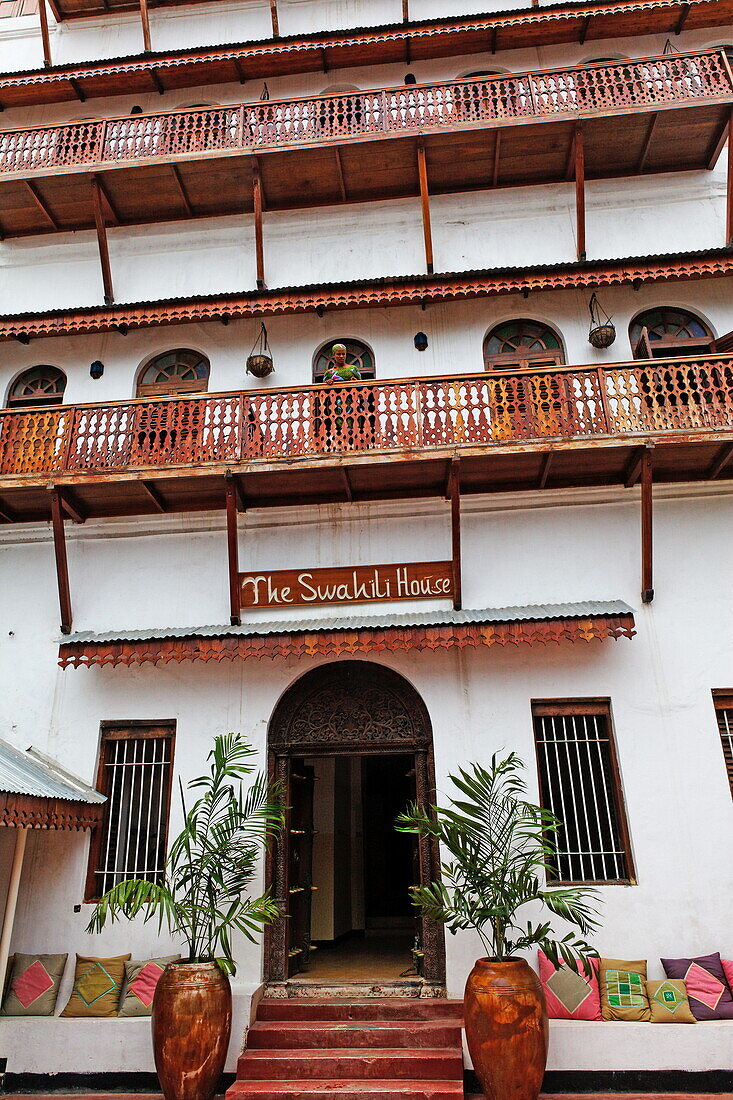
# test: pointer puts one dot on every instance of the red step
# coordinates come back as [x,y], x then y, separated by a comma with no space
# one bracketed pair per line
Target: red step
[316,1034]
[344,1090]
[376,1008]
[384,1064]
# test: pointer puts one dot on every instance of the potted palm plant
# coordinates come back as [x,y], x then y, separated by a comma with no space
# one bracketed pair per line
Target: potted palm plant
[202,897]
[497,847]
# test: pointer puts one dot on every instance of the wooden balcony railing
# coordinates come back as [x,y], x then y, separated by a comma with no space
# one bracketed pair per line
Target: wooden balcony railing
[687,395]
[599,88]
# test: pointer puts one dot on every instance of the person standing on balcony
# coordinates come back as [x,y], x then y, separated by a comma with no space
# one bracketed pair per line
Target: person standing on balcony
[338,409]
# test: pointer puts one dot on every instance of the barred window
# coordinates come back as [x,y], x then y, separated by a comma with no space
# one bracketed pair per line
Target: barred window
[580,784]
[724,713]
[135,765]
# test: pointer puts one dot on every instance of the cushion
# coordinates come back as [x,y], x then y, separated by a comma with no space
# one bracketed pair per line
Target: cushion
[668,1002]
[570,996]
[623,990]
[707,989]
[727,965]
[33,984]
[97,985]
[141,979]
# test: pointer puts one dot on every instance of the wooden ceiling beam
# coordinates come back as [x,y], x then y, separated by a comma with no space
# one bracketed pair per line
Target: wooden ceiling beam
[101,228]
[182,191]
[40,203]
[721,460]
[647,142]
[7,515]
[729,186]
[154,495]
[684,12]
[77,90]
[633,468]
[62,565]
[422,169]
[71,506]
[545,470]
[235,600]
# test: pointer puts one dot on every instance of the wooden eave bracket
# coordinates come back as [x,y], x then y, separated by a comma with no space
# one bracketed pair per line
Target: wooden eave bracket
[425,204]
[101,228]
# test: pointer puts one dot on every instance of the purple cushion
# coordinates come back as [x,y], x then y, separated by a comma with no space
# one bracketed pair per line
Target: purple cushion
[707,988]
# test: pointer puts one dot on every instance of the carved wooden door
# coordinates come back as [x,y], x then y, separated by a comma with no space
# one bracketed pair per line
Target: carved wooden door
[300,865]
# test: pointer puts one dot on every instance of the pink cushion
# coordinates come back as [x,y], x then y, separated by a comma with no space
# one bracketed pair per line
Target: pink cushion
[570,996]
[143,986]
[727,965]
[32,984]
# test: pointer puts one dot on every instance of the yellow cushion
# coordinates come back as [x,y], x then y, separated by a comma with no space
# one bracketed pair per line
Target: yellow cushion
[97,986]
[668,1002]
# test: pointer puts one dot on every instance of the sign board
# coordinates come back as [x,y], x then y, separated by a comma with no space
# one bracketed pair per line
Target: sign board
[427,580]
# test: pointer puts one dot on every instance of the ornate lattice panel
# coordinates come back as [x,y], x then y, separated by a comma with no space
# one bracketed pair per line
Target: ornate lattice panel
[34,442]
[604,87]
[664,396]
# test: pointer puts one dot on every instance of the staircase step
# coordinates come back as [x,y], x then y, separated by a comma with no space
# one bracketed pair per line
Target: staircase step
[377,1008]
[342,1090]
[316,1034]
[337,1064]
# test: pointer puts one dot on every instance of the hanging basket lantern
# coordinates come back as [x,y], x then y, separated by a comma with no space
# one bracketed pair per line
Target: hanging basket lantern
[602,331]
[259,360]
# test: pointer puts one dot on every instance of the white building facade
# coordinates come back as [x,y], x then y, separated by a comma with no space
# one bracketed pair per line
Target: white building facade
[593,502]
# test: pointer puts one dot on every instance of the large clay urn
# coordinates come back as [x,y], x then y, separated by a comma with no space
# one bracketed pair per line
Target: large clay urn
[192,1022]
[506,1028]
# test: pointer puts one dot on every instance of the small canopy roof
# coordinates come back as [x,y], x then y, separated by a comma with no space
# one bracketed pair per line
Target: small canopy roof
[36,793]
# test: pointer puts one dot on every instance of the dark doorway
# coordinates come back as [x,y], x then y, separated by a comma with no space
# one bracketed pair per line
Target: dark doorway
[351,743]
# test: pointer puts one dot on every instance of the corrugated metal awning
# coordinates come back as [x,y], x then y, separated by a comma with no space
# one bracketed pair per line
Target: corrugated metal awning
[533,624]
[36,792]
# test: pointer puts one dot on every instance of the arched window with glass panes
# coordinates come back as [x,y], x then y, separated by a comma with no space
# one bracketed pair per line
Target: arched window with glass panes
[179,371]
[516,345]
[357,353]
[667,332]
[42,385]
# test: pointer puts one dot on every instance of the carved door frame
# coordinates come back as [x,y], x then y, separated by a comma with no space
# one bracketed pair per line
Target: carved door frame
[350,708]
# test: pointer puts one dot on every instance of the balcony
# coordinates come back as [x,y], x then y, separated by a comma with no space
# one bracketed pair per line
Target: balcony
[655,115]
[512,431]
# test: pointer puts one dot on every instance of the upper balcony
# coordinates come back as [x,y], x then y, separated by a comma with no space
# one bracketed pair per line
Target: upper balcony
[658,114]
[512,430]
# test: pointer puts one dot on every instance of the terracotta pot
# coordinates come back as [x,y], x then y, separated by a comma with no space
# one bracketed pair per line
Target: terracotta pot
[192,1022]
[506,1028]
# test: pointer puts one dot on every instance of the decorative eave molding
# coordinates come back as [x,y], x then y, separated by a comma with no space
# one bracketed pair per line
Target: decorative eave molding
[25,811]
[335,642]
[369,294]
[325,51]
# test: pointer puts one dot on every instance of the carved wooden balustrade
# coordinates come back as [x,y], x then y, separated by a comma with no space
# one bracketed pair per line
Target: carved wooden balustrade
[686,395]
[675,79]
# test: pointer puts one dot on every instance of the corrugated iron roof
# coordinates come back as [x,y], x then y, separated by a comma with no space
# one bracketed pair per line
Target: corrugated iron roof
[31,773]
[530,613]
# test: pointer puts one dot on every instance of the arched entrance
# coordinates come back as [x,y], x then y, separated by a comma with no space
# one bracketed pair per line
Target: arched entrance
[360,736]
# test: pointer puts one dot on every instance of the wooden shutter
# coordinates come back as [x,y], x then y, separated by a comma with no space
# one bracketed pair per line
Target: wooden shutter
[724,713]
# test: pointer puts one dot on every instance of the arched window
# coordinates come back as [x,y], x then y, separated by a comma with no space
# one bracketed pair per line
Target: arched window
[667,331]
[356,352]
[523,343]
[179,371]
[43,385]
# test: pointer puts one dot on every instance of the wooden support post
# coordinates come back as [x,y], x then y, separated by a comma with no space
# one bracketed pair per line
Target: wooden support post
[45,37]
[425,201]
[259,243]
[145,20]
[455,517]
[62,565]
[580,190]
[101,226]
[274,18]
[11,899]
[647,579]
[233,552]
[729,189]
[405,11]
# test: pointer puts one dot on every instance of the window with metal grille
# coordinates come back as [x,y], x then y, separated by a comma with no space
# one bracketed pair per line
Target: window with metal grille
[724,713]
[580,784]
[135,764]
